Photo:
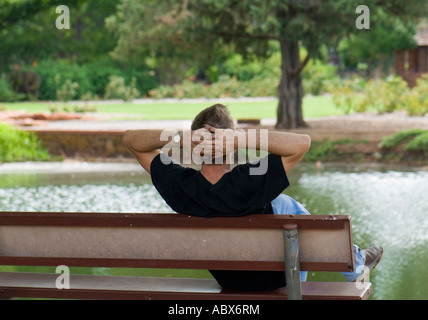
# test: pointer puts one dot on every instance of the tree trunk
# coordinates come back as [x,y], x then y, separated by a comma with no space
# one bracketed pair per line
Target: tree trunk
[290,90]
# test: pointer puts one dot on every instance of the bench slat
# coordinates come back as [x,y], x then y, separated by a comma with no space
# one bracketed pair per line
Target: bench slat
[21,284]
[166,220]
[192,246]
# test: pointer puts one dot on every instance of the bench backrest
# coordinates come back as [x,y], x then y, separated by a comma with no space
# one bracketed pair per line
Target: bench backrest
[253,242]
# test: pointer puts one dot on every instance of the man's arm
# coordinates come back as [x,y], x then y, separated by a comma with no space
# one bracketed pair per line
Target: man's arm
[290,146]
[146,144]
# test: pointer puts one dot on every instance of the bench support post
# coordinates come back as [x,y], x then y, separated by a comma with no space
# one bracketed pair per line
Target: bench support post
[292,262]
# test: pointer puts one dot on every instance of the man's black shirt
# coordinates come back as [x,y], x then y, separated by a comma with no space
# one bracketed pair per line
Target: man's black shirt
[237,193]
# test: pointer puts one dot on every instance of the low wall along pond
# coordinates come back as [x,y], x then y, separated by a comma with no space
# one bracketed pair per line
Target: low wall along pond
[84,144]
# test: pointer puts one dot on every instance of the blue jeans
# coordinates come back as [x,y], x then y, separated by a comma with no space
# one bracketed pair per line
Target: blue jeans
[284,204]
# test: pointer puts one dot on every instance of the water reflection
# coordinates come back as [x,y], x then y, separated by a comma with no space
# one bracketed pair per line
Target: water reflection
[388,206]
[80,192]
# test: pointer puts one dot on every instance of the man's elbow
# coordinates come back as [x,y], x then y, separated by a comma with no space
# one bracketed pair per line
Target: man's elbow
[127,138]
[308,141]
[305,143]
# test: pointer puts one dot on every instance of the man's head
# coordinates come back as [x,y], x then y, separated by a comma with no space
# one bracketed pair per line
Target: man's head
[217,116]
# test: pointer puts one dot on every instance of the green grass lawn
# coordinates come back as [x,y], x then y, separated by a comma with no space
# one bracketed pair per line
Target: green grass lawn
[313,107]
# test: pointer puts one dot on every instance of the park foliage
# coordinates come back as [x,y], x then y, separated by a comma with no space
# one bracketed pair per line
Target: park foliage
[382,96]
[20,145]
[124,49]
[415,140]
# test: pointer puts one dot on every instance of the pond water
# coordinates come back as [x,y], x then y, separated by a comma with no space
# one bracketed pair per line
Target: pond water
[388,206]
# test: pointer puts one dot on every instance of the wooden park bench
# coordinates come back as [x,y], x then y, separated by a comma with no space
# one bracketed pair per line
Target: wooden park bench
[174,241]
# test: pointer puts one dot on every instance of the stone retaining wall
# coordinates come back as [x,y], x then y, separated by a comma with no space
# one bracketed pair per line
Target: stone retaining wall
[84,144]
[109,144]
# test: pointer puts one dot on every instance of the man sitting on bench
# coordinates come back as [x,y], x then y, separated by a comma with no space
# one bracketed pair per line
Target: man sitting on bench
[219,189]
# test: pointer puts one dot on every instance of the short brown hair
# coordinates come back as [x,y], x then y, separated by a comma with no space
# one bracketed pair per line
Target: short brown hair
[217,116]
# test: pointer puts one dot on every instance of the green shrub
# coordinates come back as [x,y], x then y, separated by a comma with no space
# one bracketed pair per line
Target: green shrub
[26,82]
[347,97]
[162,92]
[20,145]
[76,108]
[255,79]
[399,137]
[318,77]
[189,89]
[388,95]
[49,70]
[414,140]
[328,150]
[117,89]
[67,90]
[100,71]
[419,143]
[417,98]
[262,87]
[85,108]
[145,78]
[236,66]
[226,86]
[92,77]
[383,96]
[6,93]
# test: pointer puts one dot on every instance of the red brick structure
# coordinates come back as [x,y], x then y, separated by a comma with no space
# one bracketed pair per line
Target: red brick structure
[411,64]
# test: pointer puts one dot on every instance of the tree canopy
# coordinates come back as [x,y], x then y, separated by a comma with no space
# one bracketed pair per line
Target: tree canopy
[196,28]
[173,36]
